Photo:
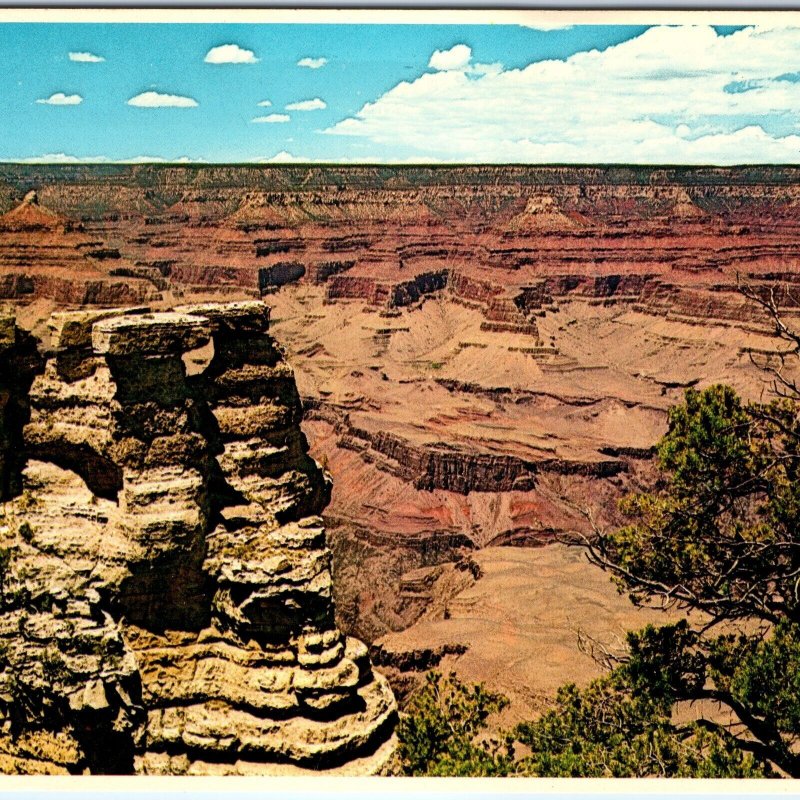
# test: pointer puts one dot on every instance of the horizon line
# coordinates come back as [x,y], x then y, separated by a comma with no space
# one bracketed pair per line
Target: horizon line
[400,164]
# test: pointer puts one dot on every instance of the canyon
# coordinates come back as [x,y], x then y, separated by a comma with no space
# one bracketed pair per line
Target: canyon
[485,357]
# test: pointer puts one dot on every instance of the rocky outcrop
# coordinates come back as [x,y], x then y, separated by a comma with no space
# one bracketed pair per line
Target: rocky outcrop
[717,303]
[30,216]
[357,287]
[46,255]
[542,214]
[408,292]
[391,294]
[684,207]
[473,290]
[342,244]
[280,274]
[507,313]
[269,247]
[320,271]
[458,469]
[166,584]
[19,362]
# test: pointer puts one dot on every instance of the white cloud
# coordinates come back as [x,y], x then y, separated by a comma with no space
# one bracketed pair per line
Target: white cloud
[457,57]
[160,160]
[283,158]
[159,100]
[265,103]
[64,158]
[312,63]
[272,118]
[61,99]
[59,158]
[672,94]
[86,58]
[230,54]
[486,69]
[307,105]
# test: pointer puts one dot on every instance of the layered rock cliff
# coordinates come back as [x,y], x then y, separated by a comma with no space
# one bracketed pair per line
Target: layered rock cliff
[47,255]
[486,349]
[164,575]
[114,234]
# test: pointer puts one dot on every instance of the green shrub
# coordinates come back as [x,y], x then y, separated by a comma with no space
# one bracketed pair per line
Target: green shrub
[444,730]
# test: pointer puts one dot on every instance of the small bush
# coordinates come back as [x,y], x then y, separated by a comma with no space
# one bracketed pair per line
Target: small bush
[443,731]
[25,531]
[54,668]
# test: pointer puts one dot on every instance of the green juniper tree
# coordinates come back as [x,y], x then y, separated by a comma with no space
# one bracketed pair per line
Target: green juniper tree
[718,536]
[442,732]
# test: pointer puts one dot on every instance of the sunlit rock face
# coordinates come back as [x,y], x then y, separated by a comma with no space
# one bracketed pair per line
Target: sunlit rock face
[166,594]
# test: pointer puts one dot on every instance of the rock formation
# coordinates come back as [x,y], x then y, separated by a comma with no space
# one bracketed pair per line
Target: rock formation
[542,214]
[46,255]
[684,207]
[165,581]
[482,350]
[30,216]
[118,235]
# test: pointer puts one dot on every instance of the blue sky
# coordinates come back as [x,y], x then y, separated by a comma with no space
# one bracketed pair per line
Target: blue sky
[399,93]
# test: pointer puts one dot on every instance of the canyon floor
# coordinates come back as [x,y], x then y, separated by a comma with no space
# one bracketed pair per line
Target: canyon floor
[484,355]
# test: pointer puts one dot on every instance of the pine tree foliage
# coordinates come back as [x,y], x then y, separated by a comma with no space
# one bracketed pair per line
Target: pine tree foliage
[443,731]
[719,537]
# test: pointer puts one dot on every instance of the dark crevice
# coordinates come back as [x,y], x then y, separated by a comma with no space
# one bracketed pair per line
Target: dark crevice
[101,475]
[19,365]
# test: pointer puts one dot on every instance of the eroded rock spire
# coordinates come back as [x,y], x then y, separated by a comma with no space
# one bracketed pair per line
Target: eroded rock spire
[166,592]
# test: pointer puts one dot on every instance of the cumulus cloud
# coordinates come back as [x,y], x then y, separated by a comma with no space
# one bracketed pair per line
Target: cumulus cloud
[65,158]
[61,99]
[672,94]
[59,158]
[283,157]
[457,57]
[230,54]
[86,58]
[265,103]
[272,118]
[486,69]
[312,63]
[307,105]
[160,160]
[160,100]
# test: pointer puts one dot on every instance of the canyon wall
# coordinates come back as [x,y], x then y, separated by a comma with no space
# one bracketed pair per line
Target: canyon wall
[459,469]
[166,593]
[484,349]
[665,239]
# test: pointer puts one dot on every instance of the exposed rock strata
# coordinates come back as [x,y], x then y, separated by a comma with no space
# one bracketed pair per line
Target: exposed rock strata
[280,274]
[19,361]
[483,327]
[166,588]
[460,470]
[624,235]
[46,255]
